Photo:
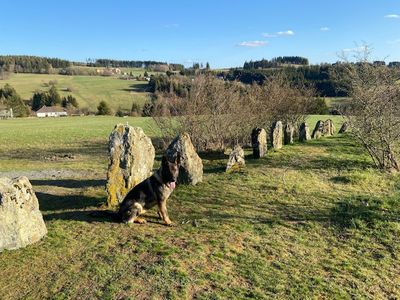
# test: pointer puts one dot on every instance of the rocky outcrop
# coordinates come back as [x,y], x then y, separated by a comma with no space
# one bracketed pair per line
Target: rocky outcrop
[21,222]
[344,128]
[304,133]
[236,159]
[191,167]
[288,134]
[131,160]
[277,135]
[259,142]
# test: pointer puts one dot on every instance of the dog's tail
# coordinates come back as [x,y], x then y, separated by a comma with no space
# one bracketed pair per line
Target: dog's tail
[106,214]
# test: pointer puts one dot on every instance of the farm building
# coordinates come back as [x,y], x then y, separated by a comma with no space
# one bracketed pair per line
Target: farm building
[6,113]
[51,111]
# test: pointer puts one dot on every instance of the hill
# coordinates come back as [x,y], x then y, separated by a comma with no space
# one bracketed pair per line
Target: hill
[89,90]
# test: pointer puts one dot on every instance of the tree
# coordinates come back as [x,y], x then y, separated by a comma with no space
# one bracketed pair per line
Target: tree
[207,66]
[103,108]
[38,100]
[373,114]
[54,97]
[69,101]
[10,98]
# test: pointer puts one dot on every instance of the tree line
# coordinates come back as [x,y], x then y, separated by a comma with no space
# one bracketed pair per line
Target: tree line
[275,62]
[31,64]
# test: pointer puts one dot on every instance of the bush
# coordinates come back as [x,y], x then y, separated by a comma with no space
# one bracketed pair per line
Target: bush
[103,108]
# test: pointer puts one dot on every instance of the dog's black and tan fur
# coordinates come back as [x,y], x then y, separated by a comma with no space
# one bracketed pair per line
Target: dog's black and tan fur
[155,190]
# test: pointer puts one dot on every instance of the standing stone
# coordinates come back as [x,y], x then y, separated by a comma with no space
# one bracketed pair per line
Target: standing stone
[329,128]
[21,222]
[344,128]
[191,168]
[288,134]
[236,159]
[259,142]
[318,130]
[277,135]
[130,162]
[304,133]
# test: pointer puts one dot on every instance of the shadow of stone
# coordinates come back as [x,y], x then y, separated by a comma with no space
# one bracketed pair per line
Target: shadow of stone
[70,183]
[49,202]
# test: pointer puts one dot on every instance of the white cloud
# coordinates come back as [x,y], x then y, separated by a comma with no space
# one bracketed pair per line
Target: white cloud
[268,35]
[252,44]
[325,28]
[392,16]
[287,32]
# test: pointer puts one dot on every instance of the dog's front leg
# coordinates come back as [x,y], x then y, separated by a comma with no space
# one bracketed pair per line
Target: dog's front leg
[162,207]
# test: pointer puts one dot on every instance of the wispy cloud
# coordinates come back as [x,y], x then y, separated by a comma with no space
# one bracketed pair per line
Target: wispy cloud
[268,35]
[392,16]
[252,44]
[324,28]
[287,32]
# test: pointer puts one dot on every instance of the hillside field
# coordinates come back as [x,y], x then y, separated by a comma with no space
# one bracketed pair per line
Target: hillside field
[313,220]
[88,90]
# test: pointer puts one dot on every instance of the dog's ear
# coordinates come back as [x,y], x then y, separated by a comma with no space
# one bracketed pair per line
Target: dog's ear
[178,158]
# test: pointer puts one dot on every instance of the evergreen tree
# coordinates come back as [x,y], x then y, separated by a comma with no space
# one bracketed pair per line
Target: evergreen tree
[103,108]
[10,98]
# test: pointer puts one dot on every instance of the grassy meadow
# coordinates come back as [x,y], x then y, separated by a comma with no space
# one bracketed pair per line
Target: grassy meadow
[88,90]
[312,220]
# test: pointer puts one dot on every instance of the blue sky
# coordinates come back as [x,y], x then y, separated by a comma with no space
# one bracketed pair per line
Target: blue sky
[225,33]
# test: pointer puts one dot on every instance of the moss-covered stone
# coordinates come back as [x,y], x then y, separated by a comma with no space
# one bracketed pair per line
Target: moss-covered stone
[131,159]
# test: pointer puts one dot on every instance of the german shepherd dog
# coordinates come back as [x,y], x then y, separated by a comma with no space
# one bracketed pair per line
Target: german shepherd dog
[154,190]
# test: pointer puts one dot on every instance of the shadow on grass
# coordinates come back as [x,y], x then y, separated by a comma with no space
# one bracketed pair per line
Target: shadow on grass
[49,202]
[70,183]
[364,211]
[138,88]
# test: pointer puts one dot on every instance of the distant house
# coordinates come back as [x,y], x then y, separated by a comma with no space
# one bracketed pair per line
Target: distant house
[6,113]
[51,111]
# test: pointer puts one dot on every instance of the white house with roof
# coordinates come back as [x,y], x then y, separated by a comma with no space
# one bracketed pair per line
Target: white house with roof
[51,111]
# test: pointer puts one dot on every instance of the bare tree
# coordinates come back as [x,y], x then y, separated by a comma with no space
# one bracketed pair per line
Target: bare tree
[218,114]
[374,112]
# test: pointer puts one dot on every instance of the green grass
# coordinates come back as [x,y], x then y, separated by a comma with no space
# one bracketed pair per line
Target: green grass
[312,220]
[89,90]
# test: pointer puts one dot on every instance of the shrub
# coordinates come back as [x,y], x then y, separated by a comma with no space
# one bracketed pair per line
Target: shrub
[103,108]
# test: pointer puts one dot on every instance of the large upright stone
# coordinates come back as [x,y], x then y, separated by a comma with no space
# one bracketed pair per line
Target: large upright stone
[344,128]
[21,222]
[259,142]
[277,135]
[191,168]
[318,130]
[130,162]
[329,128]
[236,159]
[304,133]
[288,134]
